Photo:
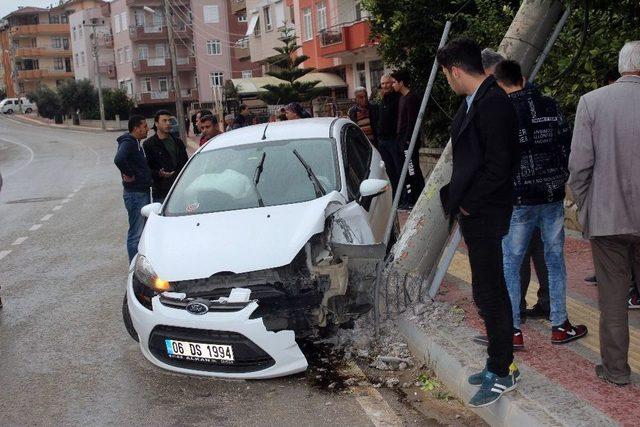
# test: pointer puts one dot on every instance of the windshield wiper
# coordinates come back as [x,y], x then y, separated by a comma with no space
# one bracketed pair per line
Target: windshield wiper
[317,186]
[256,178]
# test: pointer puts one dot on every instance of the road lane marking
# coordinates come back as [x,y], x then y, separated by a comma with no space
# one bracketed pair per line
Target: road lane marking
[19,241]
[76,190]
[4,254]
[65,201]
[35,227]
[57,208]
[31,156]
[47,217]
[70,195]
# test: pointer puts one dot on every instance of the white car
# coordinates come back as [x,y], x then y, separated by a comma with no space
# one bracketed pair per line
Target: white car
[12,105]
[265,238]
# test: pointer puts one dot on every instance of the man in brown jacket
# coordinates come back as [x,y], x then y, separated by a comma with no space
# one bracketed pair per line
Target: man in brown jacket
[605,182]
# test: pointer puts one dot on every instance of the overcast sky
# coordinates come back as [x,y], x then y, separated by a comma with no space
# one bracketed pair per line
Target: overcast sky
[8,6]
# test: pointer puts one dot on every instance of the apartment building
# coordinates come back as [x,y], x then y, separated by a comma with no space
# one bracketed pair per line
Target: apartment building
[36,46]
[266,18]
[90,29]
[241,65]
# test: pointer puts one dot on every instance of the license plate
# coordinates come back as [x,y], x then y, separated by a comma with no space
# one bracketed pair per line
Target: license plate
[199,351]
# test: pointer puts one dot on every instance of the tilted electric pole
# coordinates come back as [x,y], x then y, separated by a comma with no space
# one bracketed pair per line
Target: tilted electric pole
[96,59]
[174,72]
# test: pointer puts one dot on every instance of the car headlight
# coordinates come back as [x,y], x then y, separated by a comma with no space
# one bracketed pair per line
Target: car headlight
[145,274]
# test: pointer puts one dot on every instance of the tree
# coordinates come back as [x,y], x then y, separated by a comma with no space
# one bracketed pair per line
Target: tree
[46,100]
[285,66]
[78,96]
[117,102]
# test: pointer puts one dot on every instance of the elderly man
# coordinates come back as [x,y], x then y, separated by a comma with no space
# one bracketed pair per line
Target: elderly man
[364,114]
[605,182]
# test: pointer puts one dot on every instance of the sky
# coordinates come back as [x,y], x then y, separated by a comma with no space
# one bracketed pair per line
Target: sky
[8,6]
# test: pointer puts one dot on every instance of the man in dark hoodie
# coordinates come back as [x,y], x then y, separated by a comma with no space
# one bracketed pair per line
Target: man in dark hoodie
[136,178]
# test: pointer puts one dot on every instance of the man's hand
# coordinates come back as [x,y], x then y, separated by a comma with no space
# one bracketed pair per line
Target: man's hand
[465,213]
[165,174]
[126,178]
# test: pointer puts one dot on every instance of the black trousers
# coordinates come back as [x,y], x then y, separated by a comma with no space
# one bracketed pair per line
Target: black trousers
[535,253]
[393,158]
[414,184]
[483,237]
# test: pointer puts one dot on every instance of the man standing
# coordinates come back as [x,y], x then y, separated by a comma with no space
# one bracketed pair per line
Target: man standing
[228,122]
[605,182]
[364,114]
[209,128]
[244,118]
[166,156]
[484,135]
[408,110]
[539,183]
[136,178]
[386,129]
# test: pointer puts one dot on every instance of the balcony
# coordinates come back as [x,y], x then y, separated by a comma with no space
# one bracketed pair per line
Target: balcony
[155,3]
[108,70]
[44,73]
[157,32]
[241,53]
[40,29]
[162,65]
[237,6]
[186,64]
[342,39]
[41,52]
[167,96]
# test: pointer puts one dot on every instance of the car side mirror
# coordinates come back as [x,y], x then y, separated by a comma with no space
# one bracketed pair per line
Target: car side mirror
[373,187]
[153,208]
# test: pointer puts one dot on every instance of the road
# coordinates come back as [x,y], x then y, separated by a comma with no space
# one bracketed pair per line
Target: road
[65,357]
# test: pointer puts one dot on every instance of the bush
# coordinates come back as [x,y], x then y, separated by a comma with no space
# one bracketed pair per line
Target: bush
[47,101]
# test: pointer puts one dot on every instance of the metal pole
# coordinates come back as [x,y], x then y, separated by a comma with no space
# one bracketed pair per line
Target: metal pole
[96,59]
[550,43]
[174,72]
[414,135]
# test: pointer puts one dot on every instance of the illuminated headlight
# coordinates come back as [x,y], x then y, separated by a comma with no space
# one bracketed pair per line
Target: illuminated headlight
[145,274]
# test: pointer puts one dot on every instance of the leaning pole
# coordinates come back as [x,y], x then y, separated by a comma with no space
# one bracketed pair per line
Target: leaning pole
[425,234]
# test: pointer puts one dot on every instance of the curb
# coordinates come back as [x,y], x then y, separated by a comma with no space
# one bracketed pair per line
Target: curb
[29,120]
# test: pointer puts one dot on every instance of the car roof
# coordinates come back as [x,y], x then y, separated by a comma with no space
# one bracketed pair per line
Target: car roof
[277,131]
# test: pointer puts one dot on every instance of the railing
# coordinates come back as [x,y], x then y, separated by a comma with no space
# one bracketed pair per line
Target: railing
[160,96]
[41,73]
[331,35]
[41,51]
[156,62]
[157,94]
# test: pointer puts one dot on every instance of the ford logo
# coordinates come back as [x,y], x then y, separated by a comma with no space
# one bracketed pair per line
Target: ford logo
[196,307]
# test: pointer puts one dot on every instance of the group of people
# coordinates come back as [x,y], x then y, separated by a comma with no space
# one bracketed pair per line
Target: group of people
[513,157]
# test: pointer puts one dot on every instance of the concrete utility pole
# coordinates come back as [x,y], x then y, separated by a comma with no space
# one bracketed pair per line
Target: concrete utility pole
[425,235]
[96,59]
[174,72]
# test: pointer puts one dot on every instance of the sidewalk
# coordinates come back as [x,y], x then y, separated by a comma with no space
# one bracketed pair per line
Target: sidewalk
[41,121]
[559,385]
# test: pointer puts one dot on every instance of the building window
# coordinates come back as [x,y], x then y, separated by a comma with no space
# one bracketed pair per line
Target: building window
[213,47]
[56,42]
[64,19]
[65,43]
[54,19]
[58,64]
[117,24]
[292,14]
[163,84]
[247,74]
[146,84]
[257,31]
[211,15]
[77,60]
[127,53]
[120,56]
[83,60]
[321,15]
[361,75]
[138,17]
[129,84]
[307,24]
[217,79]
[267,18]
[123,18]
[242,17]
[160,51]
[73,32]
[143,52]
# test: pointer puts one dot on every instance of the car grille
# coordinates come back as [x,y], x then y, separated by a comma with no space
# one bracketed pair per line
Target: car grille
[248,356]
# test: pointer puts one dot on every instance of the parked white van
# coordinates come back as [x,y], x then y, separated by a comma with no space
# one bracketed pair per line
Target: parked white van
[12,105]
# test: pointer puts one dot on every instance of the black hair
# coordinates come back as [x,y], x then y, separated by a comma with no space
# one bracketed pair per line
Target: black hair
[209,118]
[461,53]
[160,113]
[243,107]
[204,113]
[134,121]
[402,76]
[509,73]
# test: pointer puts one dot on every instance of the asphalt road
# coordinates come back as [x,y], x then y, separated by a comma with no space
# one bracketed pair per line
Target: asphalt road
[65,357]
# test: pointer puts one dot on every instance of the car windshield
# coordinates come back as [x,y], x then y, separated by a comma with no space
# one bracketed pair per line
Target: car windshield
[224,179]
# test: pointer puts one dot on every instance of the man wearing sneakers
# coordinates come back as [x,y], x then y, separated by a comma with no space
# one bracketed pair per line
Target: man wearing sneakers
[541,175]
[484,135]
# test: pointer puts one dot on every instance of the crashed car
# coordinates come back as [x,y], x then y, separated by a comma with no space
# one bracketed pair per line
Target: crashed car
[265,239]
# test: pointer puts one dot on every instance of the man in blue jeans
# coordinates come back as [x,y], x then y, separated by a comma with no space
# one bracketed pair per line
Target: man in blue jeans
[539,191]
[136,178]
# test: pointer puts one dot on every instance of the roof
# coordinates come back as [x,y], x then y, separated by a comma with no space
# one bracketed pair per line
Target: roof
[306,128]
[256,84]
[28,10]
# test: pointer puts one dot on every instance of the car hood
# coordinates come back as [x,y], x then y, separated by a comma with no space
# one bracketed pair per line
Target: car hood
[239,241]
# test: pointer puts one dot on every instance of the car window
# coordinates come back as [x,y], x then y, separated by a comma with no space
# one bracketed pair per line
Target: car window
[223,179]
[9,102]
[357,152]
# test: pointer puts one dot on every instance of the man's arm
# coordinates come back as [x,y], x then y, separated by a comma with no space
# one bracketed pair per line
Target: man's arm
[582,156]
[412,111]
[152,161]
[122,158]
[497,125]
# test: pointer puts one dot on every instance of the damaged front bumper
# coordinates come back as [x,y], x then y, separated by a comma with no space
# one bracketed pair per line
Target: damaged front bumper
[259,353]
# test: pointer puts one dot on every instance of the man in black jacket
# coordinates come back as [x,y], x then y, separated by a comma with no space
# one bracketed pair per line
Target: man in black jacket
[166,156]
[386,129]
[136,178]
[484,137]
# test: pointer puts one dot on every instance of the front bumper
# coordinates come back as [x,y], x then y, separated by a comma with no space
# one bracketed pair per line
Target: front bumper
[268,354]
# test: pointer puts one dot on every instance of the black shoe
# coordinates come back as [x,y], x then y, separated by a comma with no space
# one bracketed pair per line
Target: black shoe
[591,279]
[537,312]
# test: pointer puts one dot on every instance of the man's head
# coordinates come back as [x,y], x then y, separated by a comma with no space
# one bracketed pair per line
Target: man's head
[229,119]
[200,114]
[361,96]
[509,76]
[162,121]
[629,59]
[386,84]
[138,127]
[490,58]
[400,79]
[461,63]
[244,110]
[293,111]
[209,126]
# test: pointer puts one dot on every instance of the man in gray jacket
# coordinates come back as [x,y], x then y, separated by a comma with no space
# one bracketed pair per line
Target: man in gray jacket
[605,182]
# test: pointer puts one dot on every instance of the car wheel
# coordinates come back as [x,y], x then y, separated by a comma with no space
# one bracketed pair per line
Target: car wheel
[126,317]
[28,110]
[9,111]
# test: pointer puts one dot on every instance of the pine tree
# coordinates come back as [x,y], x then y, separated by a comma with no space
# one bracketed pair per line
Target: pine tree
[286,68]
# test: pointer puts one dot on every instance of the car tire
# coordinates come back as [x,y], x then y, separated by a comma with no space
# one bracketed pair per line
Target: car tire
[126,317]
[28,110]
[9,111]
